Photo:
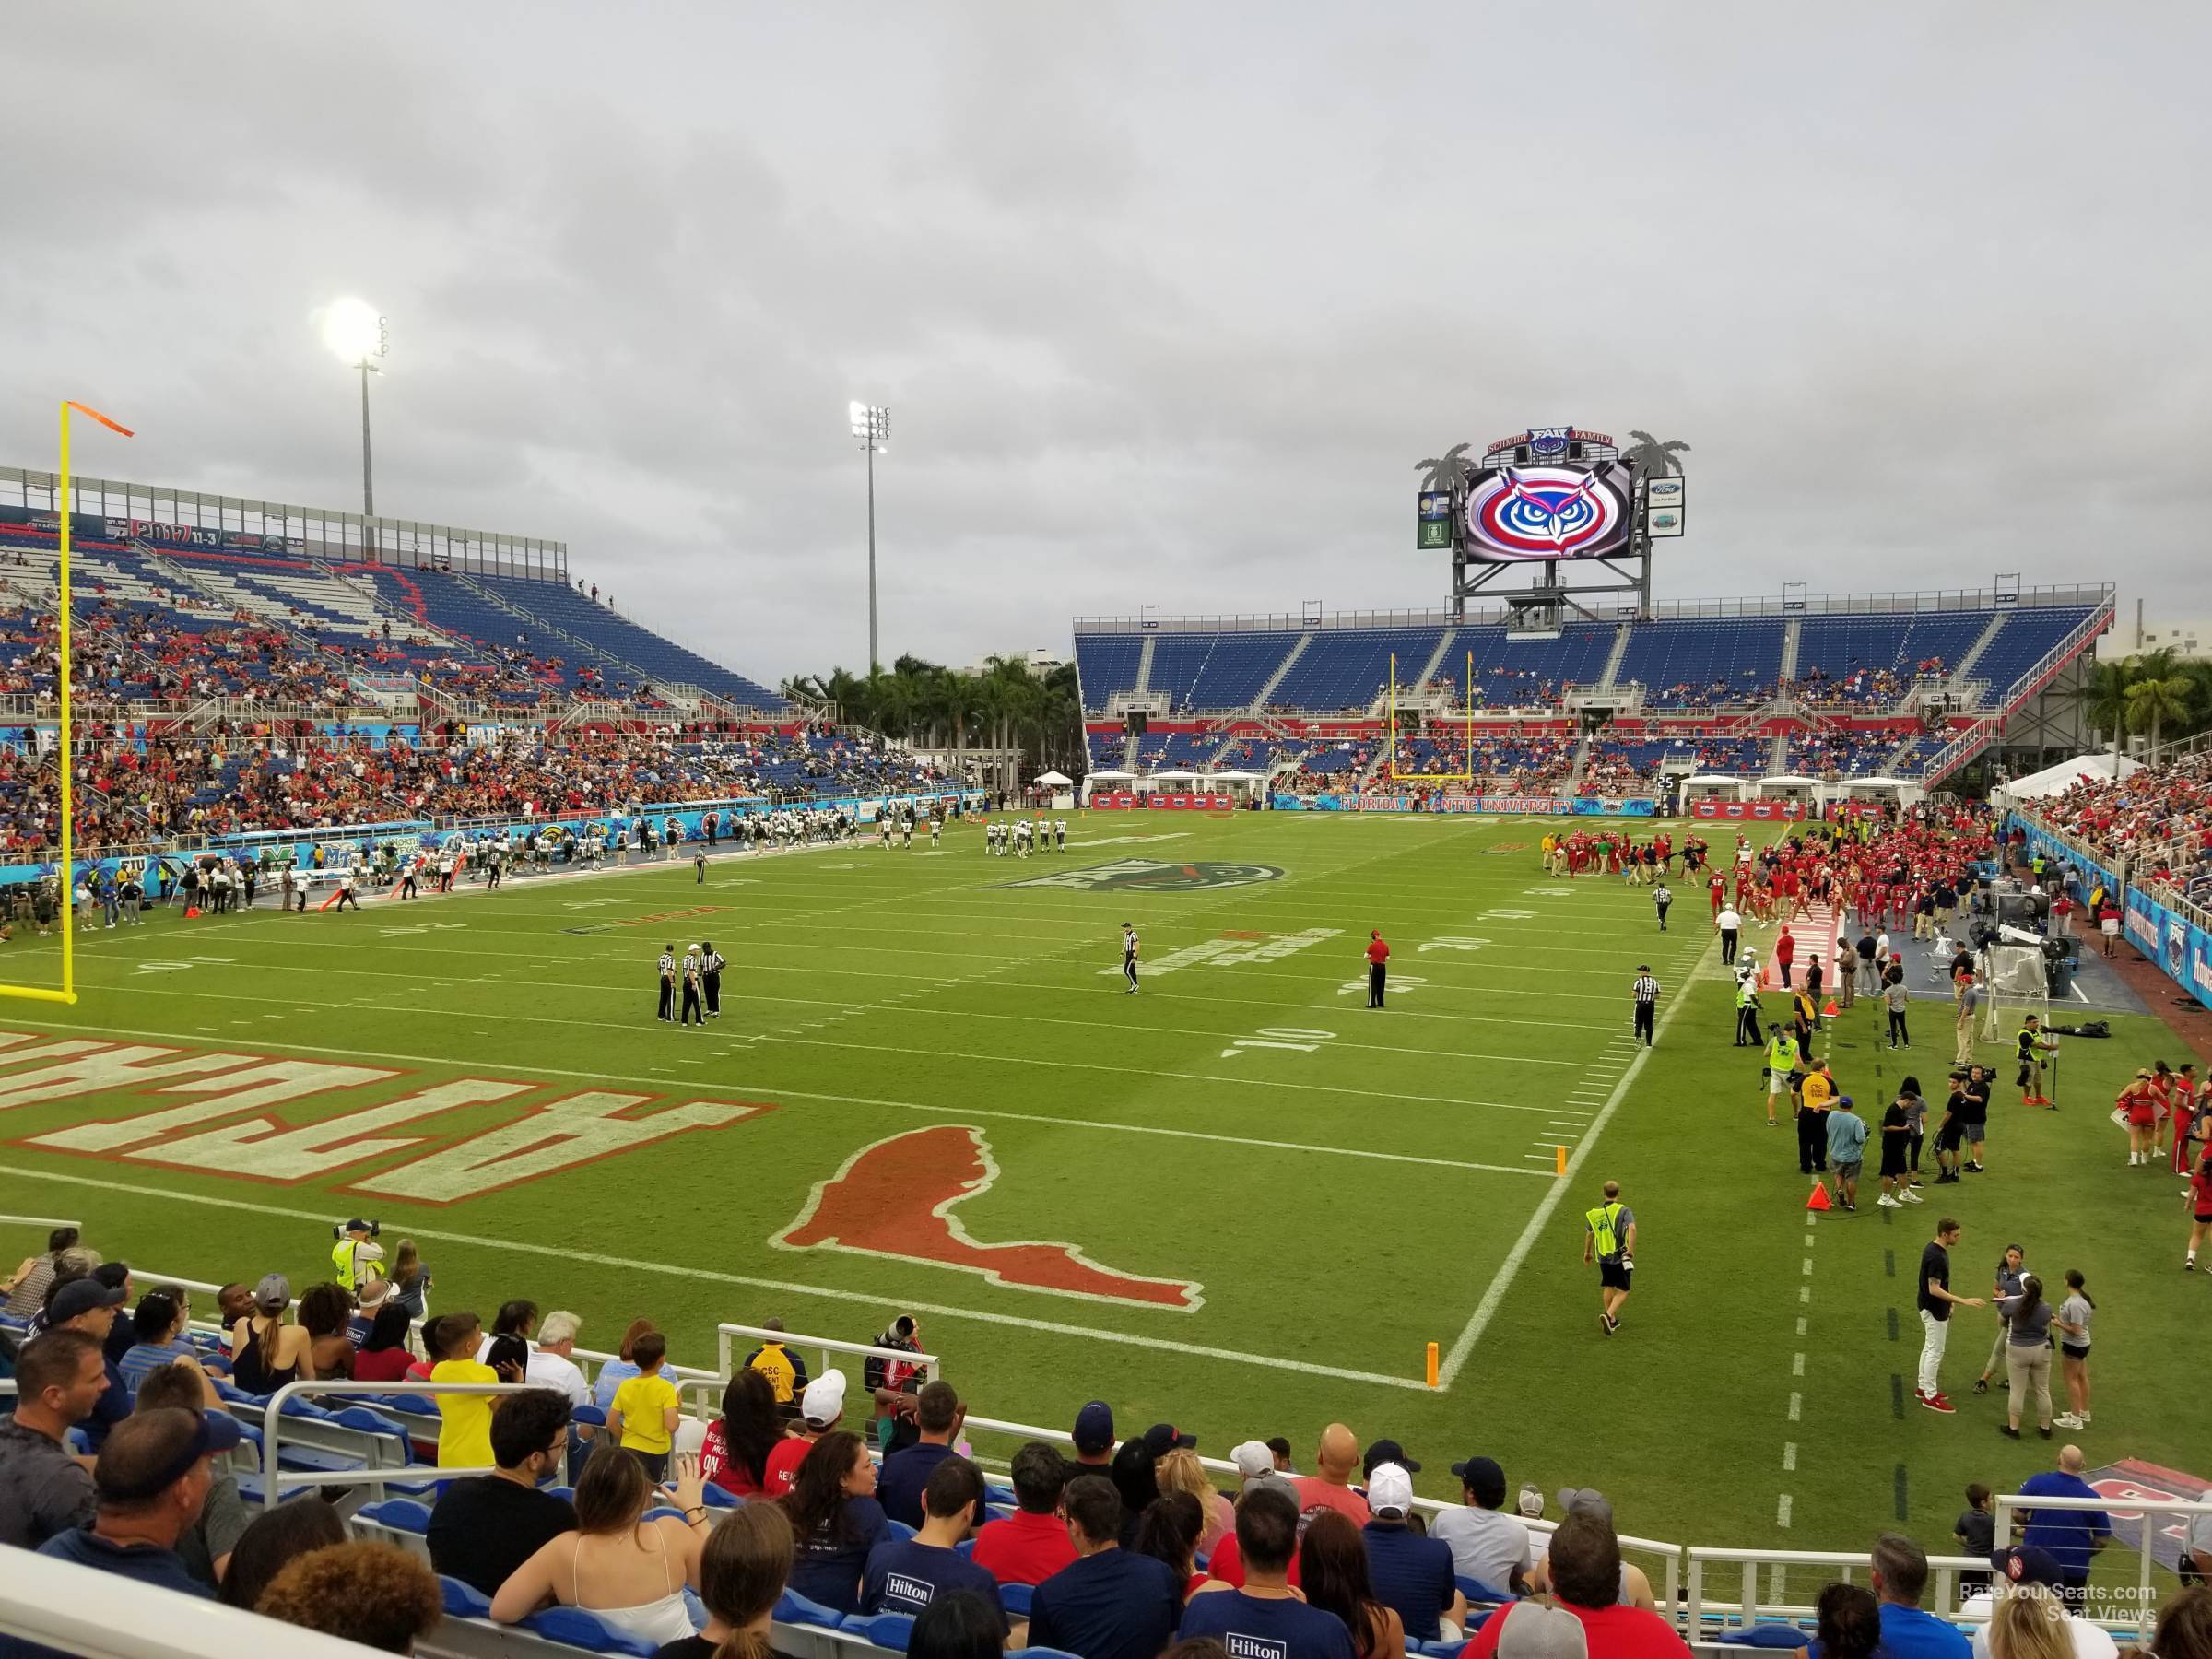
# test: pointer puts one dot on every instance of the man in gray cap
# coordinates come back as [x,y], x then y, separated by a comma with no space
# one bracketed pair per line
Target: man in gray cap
[1487,1544]
[1531,1631]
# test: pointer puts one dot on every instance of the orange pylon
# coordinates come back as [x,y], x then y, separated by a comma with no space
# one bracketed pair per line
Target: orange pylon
[1819,1201]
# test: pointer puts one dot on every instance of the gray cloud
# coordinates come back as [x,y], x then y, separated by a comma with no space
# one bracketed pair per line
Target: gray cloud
[1166,302]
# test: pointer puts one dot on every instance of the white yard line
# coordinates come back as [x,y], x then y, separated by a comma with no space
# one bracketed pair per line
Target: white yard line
[1502,1281]
[879,1299]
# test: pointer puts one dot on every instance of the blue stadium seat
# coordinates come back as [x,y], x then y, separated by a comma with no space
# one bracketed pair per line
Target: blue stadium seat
[1475,1590]
[793,1608]
[1766,1636]
[1015,1598]
[463,1600]
[884,1629]
[579,1627]
[401,1514]
[900,1530]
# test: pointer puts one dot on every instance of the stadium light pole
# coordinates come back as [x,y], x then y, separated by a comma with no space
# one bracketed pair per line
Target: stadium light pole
[358,335]
[871,426]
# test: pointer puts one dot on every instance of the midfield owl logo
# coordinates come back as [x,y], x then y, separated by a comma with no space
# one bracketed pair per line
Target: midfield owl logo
[1153,875]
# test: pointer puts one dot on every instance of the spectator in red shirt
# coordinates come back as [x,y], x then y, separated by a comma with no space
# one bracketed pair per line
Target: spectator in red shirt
[1030,1545]
[820,1408]
[1786,952]
[1585,1581]
[1378,954]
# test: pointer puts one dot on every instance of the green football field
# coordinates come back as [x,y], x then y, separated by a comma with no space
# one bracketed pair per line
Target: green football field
[1240,1200]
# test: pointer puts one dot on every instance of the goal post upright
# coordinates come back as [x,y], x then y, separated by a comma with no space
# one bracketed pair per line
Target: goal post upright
[64,756]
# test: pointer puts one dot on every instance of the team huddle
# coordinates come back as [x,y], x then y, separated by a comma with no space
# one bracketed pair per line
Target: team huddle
[1018,837]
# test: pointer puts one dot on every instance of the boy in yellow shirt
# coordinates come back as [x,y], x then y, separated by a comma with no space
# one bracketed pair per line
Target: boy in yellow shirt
[643,1418]
[464,1431]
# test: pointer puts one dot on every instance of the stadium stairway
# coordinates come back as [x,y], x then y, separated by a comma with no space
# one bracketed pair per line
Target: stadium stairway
[1434,665]
[1609,673]
[1961,675]
[1793,636]
[1259,698]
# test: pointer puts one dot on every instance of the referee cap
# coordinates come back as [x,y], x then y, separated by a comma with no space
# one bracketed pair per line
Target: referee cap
[1643,967]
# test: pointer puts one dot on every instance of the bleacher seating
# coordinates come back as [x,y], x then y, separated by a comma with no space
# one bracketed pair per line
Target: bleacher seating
[1344,669]
[1215,672]
[2026,637]
[1867,659]
[598,626]
[1703,663]
[1106,664]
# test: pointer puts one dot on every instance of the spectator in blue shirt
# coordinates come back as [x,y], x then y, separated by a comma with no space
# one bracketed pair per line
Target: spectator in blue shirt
[938,1415]
[158,1325]
[1900,1578]
[1110,1603]
[1412,1574]
[906,1575]
[1265,1617]
[150,1484]
[2071,1535]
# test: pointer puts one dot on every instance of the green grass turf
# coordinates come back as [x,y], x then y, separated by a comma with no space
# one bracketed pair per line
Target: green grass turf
[871,993]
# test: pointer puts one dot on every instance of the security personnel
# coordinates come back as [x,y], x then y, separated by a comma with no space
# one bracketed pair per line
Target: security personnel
[1609,1240]
[709,975]
[1747,1013]
[1378,959]
[353,1251]
[691,987]
[1647,1003]
[2029,1045]
[667,982]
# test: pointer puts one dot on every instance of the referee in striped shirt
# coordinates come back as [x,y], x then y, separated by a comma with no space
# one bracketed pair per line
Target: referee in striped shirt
[667,982]
[1647,1003]
[711,977]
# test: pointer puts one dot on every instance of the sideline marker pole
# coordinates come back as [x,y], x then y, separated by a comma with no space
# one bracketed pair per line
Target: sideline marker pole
[1432,1365]
[1562,1159]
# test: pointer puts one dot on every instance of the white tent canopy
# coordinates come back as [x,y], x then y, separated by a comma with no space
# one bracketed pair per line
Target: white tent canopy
[1112,777]
[1053,780]
[1711,778]
[2058,779]
[1789,780]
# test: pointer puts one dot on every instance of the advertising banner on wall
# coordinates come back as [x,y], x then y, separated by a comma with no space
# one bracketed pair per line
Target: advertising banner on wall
[1748,812]
[2172,941]
[1125,801]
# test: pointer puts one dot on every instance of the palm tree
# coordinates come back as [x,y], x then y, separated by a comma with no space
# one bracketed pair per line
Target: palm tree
[2102,699]
[1652,459]
[2153,701]
[1446,472]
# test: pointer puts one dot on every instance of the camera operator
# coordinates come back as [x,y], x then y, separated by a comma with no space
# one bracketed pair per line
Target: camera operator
[354,1251]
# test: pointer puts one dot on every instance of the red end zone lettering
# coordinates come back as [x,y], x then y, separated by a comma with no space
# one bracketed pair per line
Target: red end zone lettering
[894,1198]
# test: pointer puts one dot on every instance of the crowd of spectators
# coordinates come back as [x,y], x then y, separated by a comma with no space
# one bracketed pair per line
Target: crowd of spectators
[2159,821]
[860,1502]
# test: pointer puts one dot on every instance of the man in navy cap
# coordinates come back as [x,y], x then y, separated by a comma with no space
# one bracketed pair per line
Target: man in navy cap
[1094,1441]
[88,1305]
[2022,1565]
[1487,1544]
[150,1485]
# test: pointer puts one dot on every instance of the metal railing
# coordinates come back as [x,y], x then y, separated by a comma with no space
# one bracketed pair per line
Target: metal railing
[275,1478]
[824,1346]
[1753,1607]
[2006,1502]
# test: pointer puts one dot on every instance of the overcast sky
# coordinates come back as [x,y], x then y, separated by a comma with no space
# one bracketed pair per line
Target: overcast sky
[1166,301]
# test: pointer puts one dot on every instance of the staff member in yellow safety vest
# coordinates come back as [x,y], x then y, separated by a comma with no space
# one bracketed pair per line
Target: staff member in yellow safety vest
[1609,1238]
[786,1371]
[1782,1066]
[353,1251]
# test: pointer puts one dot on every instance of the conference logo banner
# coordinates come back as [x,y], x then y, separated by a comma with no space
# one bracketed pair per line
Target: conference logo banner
[1592,806]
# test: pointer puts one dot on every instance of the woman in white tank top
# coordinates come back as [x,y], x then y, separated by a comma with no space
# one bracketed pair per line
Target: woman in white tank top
[630,1570]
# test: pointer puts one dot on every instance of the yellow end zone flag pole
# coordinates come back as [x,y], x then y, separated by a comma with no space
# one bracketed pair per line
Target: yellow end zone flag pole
[66,757]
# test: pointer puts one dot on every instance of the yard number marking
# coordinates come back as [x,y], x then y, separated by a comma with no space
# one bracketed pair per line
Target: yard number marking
[1279,1037]
[183,962]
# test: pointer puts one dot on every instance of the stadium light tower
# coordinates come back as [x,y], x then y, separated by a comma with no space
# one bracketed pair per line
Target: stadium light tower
[353,330]
[871,426]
